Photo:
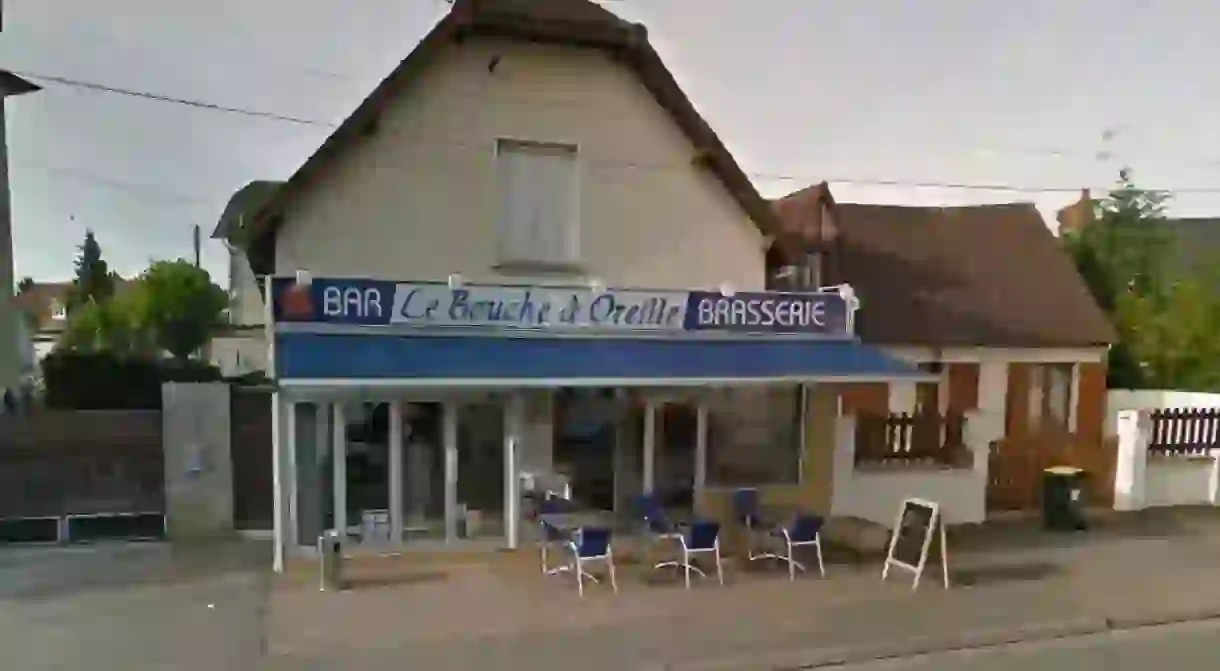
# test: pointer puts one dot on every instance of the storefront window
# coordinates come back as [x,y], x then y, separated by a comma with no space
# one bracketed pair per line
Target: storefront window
[754,436]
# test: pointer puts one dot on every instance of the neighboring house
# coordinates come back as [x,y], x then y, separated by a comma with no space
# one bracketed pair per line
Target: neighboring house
[984,298]
[523,158]
[242,347]
[1193,243]
[44,317]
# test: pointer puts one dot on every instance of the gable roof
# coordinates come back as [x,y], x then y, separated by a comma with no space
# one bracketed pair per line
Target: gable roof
[242,206]
[988,275]
[579,23]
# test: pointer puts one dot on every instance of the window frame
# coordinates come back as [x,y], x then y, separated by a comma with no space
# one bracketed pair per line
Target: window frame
[506,258]
[58,310]
[1042,380]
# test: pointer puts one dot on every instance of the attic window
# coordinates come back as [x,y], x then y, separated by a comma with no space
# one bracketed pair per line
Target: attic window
[58,311]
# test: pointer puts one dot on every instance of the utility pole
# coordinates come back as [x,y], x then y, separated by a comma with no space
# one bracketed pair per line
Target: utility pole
[10,350]
[198,243]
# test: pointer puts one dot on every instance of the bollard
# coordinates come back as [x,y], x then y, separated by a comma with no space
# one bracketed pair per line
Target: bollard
[330,561]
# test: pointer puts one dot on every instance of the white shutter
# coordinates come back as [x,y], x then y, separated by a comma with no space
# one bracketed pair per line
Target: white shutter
[538,217]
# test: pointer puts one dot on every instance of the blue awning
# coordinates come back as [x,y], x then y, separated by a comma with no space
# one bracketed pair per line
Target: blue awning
[547,362]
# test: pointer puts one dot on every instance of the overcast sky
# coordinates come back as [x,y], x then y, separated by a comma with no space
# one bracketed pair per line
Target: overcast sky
[1038,94]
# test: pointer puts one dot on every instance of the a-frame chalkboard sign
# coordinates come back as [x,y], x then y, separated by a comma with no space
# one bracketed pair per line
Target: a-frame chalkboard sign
[919,522]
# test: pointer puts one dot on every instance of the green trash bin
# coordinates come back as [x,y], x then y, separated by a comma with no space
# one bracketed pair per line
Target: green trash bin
[1063,499]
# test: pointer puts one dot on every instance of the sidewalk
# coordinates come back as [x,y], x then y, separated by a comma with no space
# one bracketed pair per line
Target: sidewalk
[1011,584]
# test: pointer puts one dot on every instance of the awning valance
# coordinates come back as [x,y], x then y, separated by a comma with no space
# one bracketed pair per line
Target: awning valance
[476,361]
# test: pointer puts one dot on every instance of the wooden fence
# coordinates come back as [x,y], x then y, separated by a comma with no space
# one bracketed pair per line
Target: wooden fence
[910,438]
[1184,432]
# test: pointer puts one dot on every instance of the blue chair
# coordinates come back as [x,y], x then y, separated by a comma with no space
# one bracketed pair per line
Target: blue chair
[805,530]
[745,509]
[701,538]
[657,525]
[591,544]
[551,536]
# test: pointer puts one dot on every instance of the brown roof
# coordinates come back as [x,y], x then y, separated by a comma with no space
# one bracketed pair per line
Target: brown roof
[989,275]
[568,22]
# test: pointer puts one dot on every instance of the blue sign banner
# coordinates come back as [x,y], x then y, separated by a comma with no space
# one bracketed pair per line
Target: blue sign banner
[372,303]
[822,313]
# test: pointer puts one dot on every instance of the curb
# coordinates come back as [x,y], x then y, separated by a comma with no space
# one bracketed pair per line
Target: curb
[821,658]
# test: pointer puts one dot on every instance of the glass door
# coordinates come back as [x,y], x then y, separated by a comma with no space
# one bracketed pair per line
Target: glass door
[423,472]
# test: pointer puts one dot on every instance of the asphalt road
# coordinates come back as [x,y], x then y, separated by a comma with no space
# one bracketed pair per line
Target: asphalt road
[1182,646]
[133,607]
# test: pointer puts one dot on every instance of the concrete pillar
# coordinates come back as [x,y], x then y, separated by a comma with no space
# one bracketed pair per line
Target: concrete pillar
[397,523]
[1131,461]
[450,441]
[198,470]
[339,470]
[701,419]
[514,421]
[650,445]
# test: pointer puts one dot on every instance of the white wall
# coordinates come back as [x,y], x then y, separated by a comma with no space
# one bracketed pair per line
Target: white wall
[1118,400]
[1178,481]
[239,354]
[418,199]
[1144,481]
[246,302]
[876,495]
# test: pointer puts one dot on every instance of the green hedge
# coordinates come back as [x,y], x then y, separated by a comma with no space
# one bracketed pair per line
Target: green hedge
[106,381]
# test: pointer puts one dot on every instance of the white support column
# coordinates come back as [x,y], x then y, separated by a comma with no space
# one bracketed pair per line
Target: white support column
[288,476]
[279,524]
[1131,462]
[514,421]
[650,445]
[339,454]
[396,520]
[449,438]
[701,417]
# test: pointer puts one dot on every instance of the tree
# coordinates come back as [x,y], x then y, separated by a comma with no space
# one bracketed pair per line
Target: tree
[94,282]
[177,303]
[1165,319]
[26,284]
[116,326]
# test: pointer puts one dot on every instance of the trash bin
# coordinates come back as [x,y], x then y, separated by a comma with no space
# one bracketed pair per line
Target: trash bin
[1063,498]
[330,561]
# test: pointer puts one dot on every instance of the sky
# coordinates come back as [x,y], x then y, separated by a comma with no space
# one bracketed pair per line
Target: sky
[884,98]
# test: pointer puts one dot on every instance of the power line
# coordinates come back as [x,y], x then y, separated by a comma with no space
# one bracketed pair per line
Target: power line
[761,176]
[92,86]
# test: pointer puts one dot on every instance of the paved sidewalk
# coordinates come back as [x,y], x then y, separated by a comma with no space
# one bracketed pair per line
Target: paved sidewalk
[1012,584]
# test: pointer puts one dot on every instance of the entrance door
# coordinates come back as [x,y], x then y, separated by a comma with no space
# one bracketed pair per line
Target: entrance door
[587,430]
[677,435]
[368,472]
[423,472]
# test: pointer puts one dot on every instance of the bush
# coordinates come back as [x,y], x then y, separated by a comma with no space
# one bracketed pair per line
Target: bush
[104,380]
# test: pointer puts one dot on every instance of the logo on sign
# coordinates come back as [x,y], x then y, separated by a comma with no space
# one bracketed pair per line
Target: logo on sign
[297,302]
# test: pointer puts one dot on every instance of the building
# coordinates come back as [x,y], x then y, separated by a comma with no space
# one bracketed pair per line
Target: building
[454,309]
[984,298]
[43,318]
[241,348]
[12,348]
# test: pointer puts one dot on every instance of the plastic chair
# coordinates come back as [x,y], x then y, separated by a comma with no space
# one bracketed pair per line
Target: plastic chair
[591,544]
[657,525]
[805,530]
[701,538]
[745,509]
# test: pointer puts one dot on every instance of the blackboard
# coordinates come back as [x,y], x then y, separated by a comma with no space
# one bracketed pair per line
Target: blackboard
[917,528]
[913,531]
